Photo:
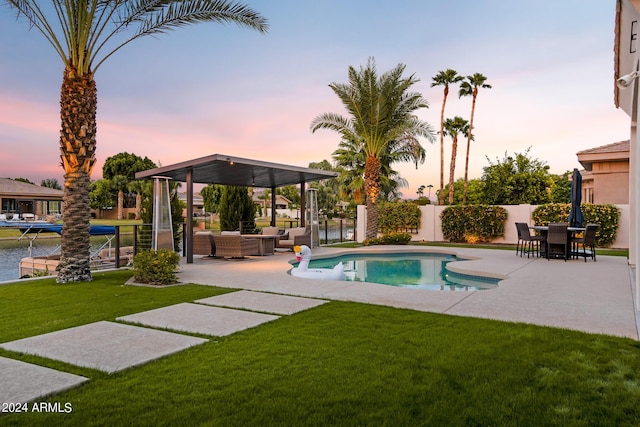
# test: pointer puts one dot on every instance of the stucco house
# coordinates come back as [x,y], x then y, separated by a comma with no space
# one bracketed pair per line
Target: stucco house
[605,178]
[28,200]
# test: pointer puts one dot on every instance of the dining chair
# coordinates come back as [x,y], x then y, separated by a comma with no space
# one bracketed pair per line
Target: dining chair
[588,240]
[529,242]
[558,236]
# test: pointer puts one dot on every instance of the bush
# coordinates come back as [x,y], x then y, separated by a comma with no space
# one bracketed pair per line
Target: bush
[389,239]
[473,223]
[607,216]
[398,216]
[156,268]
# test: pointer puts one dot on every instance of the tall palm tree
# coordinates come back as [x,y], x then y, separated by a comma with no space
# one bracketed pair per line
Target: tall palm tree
[84,33]
[381,113]
[454,127]
[468,87]
[444,78]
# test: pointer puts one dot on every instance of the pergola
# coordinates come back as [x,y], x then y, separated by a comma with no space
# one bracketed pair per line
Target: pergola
[229,170]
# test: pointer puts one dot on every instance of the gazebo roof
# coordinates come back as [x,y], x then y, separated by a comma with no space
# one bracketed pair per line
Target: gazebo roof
[230,170]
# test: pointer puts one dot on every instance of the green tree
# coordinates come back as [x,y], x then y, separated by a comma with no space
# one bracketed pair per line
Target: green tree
[517,179]
[211,197]
[454,127]
[50,183]
[561,188]
[469,87]
[444,78]
[101,194]
[381,112]
[84,34]
[475,194]
[236,206]
[121,170]
[23,180]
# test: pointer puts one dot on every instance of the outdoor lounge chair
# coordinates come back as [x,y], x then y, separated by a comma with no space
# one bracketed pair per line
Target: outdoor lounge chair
[296,236]
[203,243]
[588,240]
[526,242]
[235,246]
[558,237]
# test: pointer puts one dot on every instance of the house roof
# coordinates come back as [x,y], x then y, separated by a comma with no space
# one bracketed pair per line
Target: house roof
[618,151]
[18,189]
[230,170]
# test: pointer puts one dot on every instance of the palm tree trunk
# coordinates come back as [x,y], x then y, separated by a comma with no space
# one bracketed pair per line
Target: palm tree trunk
[78,104]
[138,204]
[452,167]
[120,204]
[444,102]
[372,191]
[466,163]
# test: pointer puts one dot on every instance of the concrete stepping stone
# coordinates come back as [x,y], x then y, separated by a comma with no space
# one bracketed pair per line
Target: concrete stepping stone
[106,346]
[200,319]
[264,302]
[25,382]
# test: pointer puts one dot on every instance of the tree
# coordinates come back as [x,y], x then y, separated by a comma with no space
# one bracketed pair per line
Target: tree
[84,34]
[517,179]
[101,194]
[236,206]
[444,78]
[454,127]
[121,170]
[211,197]
[381,114]
[23,180]
[50,183]
[561,188]
[475,195]
[470,87]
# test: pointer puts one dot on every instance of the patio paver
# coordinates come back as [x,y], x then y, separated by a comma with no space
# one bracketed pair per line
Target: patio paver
[264,302]
[106,346]
[200,319]
[24,382]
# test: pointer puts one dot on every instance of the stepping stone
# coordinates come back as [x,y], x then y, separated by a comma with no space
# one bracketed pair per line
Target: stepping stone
[264,302]
[200,319]
[24,382]
[106,346]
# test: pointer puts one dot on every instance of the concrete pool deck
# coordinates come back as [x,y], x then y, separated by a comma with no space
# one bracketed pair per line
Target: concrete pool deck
[595,297]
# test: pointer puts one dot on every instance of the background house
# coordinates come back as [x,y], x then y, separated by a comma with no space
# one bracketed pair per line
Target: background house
[606,175]
[21,198]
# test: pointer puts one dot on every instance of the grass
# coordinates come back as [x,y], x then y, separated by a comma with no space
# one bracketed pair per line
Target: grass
[341,363]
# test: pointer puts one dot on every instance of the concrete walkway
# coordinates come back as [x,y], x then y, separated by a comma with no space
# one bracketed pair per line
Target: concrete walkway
[593,297]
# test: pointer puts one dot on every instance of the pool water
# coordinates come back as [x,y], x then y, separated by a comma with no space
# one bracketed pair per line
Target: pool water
[411,270]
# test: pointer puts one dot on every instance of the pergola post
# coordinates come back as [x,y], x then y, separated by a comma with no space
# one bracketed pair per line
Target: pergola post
[303,203]
[188,233]
[273,206]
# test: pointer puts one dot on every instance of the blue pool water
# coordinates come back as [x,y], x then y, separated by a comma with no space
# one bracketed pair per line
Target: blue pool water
[411,270]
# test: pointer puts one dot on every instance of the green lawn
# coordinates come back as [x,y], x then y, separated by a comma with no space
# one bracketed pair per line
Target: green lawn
[338,364]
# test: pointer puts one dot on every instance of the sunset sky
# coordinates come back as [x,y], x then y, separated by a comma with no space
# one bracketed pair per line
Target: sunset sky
[213,88]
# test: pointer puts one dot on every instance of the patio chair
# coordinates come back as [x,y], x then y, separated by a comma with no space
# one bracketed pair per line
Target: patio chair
[558,237]
[296,236]
[203,243]
[235,246]
[526,242]
[588,240]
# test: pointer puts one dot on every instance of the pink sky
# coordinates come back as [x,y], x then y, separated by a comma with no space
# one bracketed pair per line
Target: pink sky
[221,89]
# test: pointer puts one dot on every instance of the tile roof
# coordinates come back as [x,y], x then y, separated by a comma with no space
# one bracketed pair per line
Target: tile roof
[616,147]
[11,187]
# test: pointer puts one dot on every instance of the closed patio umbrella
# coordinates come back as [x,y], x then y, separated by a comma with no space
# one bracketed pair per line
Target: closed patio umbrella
[575,217]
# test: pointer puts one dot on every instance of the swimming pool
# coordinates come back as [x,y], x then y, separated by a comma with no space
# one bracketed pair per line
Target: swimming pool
[411,270]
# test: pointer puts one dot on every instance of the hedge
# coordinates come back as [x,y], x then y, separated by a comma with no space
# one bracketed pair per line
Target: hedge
[607,216]
[473,223]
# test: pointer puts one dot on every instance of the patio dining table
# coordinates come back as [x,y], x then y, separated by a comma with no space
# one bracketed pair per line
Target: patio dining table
[543,229]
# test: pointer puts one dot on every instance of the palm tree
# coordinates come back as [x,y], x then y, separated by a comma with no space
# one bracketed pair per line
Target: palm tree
[470,87]
[454,127]
[444,78]
[84,33]
[381,113]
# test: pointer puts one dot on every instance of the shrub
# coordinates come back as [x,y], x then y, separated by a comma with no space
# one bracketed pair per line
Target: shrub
[473,223]
[156,268]
[398,216]
[607,216]
[389,239]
